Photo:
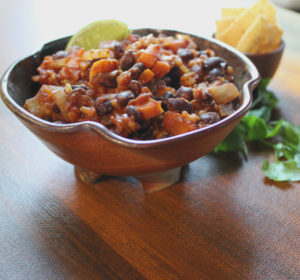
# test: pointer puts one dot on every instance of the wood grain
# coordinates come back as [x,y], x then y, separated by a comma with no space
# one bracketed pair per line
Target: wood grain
[222,220]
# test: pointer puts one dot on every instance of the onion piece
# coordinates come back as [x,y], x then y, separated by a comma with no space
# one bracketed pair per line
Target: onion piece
[225,93]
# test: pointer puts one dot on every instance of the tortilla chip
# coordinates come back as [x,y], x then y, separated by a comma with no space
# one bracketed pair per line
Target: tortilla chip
[226,12]
[235,31]
[222,24]
[271,41]
[260,37]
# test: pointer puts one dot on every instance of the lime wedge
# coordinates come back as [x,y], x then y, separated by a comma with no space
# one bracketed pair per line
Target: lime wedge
[90,36]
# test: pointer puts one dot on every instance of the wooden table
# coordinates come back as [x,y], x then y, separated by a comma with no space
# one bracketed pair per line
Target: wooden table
[222,220]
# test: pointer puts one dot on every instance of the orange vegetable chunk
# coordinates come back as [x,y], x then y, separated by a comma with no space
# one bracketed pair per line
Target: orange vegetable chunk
[146,76]
[161,68]
[176,124]
[147,106]
[149,56]
[103,65]
[177,44]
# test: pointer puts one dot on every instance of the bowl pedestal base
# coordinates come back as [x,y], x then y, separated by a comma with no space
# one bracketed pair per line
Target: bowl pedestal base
[150,182]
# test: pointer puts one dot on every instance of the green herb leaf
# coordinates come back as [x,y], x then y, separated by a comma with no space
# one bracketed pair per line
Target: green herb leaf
[264,83]
[256,128]
[264,97]
[234,142]
[274,128]
[283,170]
[297,128]
[283,151]
[289,134]
[263,112]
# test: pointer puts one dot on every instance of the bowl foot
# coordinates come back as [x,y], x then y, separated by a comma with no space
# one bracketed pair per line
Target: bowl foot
[87,176]
[150,182]
[160,180]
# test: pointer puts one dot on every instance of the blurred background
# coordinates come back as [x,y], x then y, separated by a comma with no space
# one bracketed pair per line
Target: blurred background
[289,4]
[38,21]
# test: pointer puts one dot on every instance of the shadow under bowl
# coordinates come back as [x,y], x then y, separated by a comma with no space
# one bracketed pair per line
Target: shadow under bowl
[91,146]
[267,63]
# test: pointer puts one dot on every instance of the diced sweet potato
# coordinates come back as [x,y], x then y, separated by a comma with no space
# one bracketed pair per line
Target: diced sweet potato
[161,68]
[103,65]
[141,99]
[146,76]
[175,124]
[177,44]
[150,109]
[147,106]
[145,90]
[149,56]
[224,93]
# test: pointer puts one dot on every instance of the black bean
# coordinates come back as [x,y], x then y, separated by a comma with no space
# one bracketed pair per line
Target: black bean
[214,73]
[79,90]
[185,54]
[206,97]
[108,79]
[213,62]
[209,118]
[136,70]
[179,104]
[185,92]
[174,76]
[135,86]
[133,111]
[55,108]
[235,103]
[127,60]
[80,97]
[124,97]
[60,54]
[118,50]
[165,98]
[103,108]
[168,94]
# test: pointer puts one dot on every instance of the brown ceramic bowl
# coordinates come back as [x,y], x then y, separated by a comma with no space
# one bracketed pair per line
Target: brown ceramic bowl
[267,63]
[92,146]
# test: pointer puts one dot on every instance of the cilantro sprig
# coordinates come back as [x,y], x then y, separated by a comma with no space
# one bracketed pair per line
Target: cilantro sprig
[280,135]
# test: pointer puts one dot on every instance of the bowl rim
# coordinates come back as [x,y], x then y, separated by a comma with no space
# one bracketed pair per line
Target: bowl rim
[248,87]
